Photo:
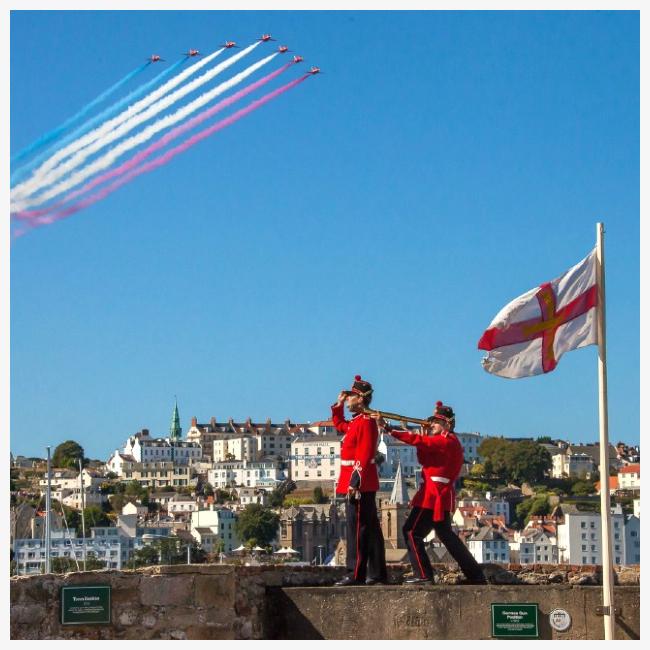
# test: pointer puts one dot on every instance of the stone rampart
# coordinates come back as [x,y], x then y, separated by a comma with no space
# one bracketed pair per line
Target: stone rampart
[274,602]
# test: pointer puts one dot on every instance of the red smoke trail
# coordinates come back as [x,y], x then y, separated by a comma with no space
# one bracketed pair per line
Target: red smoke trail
[159,144]
[165,158]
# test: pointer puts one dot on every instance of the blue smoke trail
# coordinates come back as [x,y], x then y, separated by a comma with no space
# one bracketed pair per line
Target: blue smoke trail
[55,133]
[87,126]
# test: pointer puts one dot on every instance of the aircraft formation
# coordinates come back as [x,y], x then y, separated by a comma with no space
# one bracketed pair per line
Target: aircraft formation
[61,180]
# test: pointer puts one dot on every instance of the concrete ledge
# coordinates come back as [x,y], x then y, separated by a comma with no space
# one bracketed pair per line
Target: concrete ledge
[437,612]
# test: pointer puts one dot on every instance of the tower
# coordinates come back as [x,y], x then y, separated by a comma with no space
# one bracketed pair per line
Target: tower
[175,427]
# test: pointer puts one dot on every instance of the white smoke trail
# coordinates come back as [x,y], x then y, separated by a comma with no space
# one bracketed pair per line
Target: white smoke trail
[126,114]
[110,156]
[36,184]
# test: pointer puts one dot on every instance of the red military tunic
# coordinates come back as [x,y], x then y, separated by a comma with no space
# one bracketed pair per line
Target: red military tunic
[441,457]
[358,448]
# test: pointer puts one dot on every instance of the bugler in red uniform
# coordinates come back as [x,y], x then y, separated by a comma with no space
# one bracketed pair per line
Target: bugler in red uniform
[441,457]
[358,448]
[358,480]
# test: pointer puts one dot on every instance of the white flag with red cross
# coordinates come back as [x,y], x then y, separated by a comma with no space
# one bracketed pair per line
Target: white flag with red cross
[530,334]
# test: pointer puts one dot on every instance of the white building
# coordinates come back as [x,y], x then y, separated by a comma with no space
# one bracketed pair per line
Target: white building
[30,553]
[247,496]
[234,448]
[315,458]
[637,507]
[66,488]
[535,546]
[219,521]
[396,453]
[632,540]
[572,465]
[179,505]
[135,509]
[489,545]
[579,536]
[471,443]
[629,477]
[242,473]
[145,449]
[492,505]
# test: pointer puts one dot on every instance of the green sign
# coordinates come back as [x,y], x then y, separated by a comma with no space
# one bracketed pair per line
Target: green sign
[515,620]
[86,605]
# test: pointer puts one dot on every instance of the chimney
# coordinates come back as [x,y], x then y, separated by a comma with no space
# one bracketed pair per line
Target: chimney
[193,421]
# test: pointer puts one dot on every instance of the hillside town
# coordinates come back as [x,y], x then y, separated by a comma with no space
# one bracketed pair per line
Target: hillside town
[264,492]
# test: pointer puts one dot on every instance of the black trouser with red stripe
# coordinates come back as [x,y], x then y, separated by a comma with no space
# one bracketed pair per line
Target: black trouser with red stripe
[366,556]
[418,525]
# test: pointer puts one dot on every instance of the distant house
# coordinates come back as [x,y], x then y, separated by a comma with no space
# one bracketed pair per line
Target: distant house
[629,477]
[489,545]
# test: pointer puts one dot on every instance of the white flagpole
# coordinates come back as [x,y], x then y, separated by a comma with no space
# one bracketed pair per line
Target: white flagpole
[605,511]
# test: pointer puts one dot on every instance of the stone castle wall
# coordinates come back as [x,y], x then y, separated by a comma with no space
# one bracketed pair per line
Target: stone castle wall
[275,602]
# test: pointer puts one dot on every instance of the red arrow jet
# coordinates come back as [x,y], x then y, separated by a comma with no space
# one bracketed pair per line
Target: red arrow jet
[229,44]
[265,37]
[283,48]
[314,70]
[192,53]
[297,58]
[154,58]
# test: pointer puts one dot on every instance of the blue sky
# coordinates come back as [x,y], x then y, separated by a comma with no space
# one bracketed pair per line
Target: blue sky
[372,220]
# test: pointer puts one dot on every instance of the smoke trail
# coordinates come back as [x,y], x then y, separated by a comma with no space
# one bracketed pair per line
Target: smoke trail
[163,159]
[156,146]
[122,117]
[40,183]
[89,124]
[54,133]
[105,161]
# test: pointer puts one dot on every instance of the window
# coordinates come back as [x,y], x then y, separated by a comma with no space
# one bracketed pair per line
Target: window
[592,524]
[584,560]
[332,472]
[593,560]
[306,474]
[584,547]
[584,535]
[583,524]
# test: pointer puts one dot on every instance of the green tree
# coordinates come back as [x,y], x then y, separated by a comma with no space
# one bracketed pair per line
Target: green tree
[145,556]
[95,516]
[582,488]
[537,505]
[494,451]
[257,524]
[544,439]
[208,490]
[67,454]
[93,563]
[319,497]
[527,461]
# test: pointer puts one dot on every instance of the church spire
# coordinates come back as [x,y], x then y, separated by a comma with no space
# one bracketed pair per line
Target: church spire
[175,427]
[399,493]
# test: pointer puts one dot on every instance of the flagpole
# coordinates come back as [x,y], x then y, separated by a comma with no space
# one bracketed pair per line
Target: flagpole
[605,510]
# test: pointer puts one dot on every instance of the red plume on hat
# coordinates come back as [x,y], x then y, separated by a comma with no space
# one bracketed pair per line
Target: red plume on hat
[444,413]
[361,387]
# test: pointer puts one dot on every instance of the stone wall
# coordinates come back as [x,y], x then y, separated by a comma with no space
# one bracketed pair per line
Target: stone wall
[275,602]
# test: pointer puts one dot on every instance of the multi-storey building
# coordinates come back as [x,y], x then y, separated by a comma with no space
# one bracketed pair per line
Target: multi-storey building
[214,529]
[273,440]
[629,477]
[489,545]
[535,546]
[260,474]
[315,457]
[396,454]
[579,535]
[491,504]
[66,487]
[471,442]
[314,530]
[241,447]
[30,553]
[154,475]
[145,449]
[579,465]
[632,540]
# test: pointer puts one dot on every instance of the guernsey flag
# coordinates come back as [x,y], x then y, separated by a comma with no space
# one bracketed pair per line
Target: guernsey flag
[530,334]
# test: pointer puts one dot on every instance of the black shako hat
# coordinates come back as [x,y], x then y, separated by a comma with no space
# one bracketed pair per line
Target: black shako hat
[360,387]
[444,413]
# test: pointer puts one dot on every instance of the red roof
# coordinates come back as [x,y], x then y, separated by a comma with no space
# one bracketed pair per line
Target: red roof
[613,484]
[635,468]
[322,423]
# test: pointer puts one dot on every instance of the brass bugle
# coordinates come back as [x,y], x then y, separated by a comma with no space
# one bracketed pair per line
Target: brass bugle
[395,416]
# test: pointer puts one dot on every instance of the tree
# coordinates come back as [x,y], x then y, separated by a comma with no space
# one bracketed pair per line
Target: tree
[537,505]
[208,490]
[93,563]
[145,556]
[582,488]
[95,516]
[67,454]
[544,439]
[257,524]
[493,451]
[527,461]
[319,497]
